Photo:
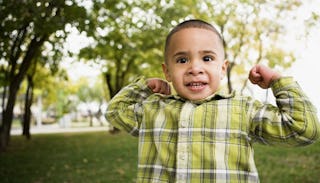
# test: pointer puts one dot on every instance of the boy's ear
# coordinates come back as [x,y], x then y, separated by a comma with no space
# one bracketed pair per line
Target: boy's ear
[166,72]
[224,68]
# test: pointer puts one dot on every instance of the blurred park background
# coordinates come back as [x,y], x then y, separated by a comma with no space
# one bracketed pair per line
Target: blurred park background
[62,60]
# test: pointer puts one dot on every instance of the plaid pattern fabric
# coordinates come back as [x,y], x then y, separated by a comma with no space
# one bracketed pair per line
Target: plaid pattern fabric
[210,140]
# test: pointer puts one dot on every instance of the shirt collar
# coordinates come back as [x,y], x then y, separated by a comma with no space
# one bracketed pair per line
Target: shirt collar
[216,96]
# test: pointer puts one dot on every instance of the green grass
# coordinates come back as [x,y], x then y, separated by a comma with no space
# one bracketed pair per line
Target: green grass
[282,165]
[101,157]
[73,158]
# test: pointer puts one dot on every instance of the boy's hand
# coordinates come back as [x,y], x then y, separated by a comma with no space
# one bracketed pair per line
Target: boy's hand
[263,76]
[159,86]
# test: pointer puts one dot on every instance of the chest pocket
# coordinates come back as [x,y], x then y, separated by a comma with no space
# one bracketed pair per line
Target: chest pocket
[225,122]
[235,137]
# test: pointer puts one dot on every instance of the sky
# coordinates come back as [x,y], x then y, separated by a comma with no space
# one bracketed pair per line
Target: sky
[305,69]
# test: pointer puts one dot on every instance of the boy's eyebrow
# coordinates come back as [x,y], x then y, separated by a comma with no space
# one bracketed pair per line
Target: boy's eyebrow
[180,53]
[208,51]
[202,51]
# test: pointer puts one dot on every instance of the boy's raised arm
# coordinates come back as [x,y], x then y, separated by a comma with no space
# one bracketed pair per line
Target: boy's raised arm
[293,121]
[124,110]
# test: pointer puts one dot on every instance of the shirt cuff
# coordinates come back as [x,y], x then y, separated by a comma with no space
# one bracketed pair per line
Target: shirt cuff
[280,83]
[141,82]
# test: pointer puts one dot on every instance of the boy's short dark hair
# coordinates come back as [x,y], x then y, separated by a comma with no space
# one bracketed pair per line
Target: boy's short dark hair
[193,23]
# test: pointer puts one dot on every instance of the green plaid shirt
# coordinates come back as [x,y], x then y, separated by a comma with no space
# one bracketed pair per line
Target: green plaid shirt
[210,140]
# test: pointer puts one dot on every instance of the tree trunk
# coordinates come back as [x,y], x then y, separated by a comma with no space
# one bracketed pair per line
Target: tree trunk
[229,69]
[90,118]
[8,117]
[27,108]
[99,114]
[15,81]
[112,92]
[3,104]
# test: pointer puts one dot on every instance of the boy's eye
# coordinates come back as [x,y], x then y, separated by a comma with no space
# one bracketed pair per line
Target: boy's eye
[208,58]
[182,60]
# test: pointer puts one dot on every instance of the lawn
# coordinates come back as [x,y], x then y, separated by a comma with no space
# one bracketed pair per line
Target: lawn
[70,157]
[101,157]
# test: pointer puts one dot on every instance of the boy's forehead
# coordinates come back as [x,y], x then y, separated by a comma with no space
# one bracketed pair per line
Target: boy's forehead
[189,37]
[194,30]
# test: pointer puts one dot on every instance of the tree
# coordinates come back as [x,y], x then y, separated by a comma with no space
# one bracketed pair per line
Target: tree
[39,82]
[27,107]
[26,26]
[126,44]
[129,39]
[252,31]
[91,93]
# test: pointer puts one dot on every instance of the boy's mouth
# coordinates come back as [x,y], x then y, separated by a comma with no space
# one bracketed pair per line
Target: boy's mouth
[196,86]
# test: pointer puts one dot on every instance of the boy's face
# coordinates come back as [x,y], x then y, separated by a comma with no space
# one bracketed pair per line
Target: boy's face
[195,63]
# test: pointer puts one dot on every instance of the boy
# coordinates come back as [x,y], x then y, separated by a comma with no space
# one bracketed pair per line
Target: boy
[201,134]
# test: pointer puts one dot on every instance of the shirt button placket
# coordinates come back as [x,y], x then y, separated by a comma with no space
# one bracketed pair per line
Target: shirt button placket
[182,144]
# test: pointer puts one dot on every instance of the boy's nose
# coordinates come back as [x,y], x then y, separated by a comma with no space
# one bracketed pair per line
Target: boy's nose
[195,68]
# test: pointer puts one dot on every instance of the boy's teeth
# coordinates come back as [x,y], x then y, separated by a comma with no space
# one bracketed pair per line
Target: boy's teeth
[195,84]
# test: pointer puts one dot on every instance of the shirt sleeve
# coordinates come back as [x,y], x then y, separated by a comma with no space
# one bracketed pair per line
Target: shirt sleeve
[124,110]
[293,122]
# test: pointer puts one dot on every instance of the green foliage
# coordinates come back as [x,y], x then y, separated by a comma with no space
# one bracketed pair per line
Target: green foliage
[31,32]
[27,22]
[130,35]
[87,92]
[129,39]
[22,21]
[252,32]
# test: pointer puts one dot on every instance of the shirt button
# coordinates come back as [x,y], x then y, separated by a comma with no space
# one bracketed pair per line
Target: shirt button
[184,124]
[182,156]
